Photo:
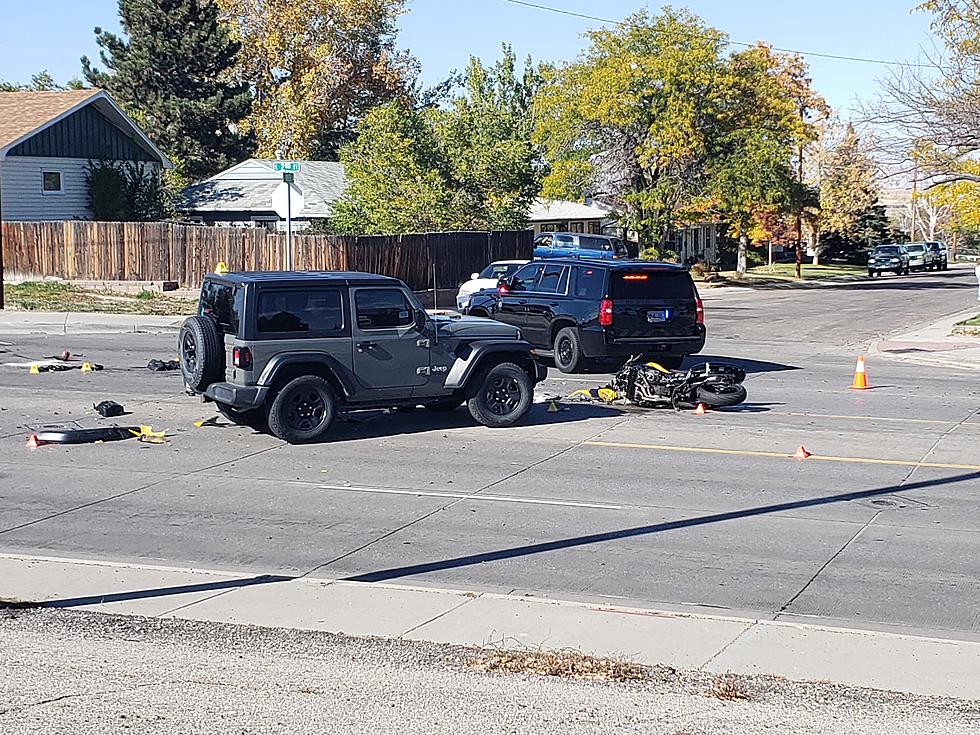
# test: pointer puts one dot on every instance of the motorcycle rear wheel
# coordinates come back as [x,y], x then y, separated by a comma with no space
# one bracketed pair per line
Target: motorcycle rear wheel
[719,395]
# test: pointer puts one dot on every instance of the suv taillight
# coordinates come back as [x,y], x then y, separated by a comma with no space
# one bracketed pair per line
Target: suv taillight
[605,312]
[241,357]
[700,311]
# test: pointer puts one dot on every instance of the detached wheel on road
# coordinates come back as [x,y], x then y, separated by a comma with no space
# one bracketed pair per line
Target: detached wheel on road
[719,395]
[303,410]
[568,350]
[202,355]
[503,396]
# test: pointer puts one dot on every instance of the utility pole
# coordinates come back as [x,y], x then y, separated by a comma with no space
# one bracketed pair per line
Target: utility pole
[915,206]
[799,209]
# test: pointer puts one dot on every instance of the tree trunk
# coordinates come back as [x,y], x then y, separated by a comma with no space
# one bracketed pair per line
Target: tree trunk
[770,256]
[743,254]
[815,244]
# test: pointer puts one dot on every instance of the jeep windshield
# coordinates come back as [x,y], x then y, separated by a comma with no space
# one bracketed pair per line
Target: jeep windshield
[224,303]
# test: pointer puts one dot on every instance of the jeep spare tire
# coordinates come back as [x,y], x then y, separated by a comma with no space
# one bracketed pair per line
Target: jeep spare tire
[503,396]
[202,355]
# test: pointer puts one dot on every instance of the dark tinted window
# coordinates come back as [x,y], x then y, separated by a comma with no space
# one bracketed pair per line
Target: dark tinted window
[589,283]
[300,311]
[224,303]
[525,277]
[595,243]
[651,284]
[551,279]
[893,250]
[380,308]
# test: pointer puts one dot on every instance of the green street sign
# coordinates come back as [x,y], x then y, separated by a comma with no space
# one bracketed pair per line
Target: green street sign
[285,167]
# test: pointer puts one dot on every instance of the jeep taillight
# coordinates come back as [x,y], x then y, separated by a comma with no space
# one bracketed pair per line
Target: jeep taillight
[605,312]
[241,357]
[700,308]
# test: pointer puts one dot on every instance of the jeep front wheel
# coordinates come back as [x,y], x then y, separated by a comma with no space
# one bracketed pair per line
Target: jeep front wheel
[303,410]
[503,396]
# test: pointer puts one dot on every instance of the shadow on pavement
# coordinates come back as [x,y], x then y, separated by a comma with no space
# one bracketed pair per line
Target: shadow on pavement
[227,584]
[380,424]
[746,364]
[597,538]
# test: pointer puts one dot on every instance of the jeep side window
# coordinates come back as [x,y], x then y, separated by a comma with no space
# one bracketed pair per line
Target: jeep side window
[316,310]
[589,283]
[382,308]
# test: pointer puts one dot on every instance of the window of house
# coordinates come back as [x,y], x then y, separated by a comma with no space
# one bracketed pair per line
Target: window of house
[595,227]
[51,182]
[267,223]
[576,227]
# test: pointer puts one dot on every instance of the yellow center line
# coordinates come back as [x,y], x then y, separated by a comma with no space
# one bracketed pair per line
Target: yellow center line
[780,455]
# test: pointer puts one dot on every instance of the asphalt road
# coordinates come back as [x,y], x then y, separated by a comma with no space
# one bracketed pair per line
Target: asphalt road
[879,529]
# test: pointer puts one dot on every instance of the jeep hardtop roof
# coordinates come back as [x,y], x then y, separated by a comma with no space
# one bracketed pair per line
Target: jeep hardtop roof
[342,278]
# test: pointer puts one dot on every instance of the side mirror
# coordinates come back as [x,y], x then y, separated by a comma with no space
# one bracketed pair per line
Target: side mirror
[474,276]
[419,319]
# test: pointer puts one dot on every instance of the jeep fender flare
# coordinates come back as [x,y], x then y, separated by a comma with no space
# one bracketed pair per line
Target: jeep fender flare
[476,354]
[275,367]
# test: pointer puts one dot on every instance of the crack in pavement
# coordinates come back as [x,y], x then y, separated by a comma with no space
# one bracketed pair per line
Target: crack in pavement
[30,705]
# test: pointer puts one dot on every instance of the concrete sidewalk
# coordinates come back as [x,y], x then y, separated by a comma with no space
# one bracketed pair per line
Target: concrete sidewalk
[934,345]
[60,322]
[920,665]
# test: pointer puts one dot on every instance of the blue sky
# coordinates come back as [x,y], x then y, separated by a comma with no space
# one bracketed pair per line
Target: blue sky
[53,34]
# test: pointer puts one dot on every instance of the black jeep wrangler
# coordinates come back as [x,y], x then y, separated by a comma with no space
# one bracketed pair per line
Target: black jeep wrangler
[292,349]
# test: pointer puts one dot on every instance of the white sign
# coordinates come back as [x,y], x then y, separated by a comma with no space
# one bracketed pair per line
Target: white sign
[287,200]
[285,167]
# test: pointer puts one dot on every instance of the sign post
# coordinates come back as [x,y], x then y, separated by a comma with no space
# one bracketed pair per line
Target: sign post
[287,201]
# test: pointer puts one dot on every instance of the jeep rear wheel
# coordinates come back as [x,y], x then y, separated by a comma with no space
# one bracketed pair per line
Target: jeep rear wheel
[503,396]
[201,352]
[303,410]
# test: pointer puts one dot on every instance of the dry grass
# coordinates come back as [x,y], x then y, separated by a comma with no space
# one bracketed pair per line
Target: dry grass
[729,687]
[565,664]
[57,296]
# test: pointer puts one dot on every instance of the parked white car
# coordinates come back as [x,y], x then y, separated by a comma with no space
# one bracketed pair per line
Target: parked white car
[487,278]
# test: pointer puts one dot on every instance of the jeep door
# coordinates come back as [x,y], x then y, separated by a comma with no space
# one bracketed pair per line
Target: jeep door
[389,350]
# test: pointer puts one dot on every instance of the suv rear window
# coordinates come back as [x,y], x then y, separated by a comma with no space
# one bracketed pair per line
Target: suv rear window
[224,303]
[651,284]
[315,310]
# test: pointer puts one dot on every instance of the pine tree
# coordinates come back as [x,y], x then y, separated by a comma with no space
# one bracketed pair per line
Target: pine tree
[168,72]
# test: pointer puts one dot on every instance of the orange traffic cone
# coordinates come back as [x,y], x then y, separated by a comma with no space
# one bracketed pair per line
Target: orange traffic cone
[801,453]
[700,410]
[860,376]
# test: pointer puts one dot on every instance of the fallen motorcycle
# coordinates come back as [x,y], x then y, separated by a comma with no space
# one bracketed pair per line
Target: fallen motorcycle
[649,384]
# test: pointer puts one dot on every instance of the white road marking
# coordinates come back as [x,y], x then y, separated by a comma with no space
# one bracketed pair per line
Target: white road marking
[470,496]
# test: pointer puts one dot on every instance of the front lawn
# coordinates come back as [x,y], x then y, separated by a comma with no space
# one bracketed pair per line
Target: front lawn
[58,296]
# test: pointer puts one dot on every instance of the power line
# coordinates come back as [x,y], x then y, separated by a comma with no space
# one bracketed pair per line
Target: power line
[838,57]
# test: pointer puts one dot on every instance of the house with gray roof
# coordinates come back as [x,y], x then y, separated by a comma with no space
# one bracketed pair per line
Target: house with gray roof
[559,215]
[241,196]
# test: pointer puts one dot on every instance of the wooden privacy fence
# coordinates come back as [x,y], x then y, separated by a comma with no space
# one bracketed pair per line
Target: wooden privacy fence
[151,251]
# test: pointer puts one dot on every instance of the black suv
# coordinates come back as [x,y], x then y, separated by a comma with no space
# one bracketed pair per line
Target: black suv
[581,310]
[292,349]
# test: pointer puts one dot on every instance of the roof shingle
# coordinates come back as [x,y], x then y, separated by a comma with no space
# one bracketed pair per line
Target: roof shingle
[22,113]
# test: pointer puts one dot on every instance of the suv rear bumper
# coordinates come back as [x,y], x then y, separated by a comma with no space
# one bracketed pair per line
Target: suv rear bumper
[242,397]
[598,344]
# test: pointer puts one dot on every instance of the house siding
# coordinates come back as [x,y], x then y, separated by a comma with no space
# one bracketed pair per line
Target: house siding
[20,189]
[83,134]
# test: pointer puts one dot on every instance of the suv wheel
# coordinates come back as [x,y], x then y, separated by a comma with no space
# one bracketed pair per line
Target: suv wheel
[503,396]
[568,350]
[303,410]
[201,352]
